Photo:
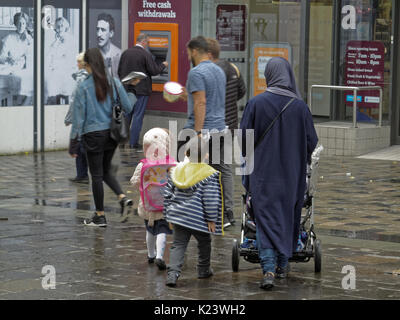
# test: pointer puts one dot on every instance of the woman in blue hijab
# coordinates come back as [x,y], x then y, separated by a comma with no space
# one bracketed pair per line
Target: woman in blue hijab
[278,181]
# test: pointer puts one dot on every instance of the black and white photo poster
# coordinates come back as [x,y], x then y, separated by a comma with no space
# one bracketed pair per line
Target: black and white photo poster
[105,31]
[61,47]
[16,56]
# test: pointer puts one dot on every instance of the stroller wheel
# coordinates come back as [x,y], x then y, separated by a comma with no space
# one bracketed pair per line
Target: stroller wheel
[317,256]
[235,256]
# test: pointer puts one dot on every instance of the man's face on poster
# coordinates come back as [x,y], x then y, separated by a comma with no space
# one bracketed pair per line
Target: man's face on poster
[104,34]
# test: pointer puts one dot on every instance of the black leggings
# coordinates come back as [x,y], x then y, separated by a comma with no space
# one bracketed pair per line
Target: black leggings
[99,161]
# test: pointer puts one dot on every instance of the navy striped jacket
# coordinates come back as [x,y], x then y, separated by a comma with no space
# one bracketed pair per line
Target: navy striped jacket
[193,196]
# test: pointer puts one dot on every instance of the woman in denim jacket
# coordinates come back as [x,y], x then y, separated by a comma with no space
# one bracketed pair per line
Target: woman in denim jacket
[91,119]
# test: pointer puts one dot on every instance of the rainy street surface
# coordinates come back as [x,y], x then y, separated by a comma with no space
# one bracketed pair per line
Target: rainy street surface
[42,238]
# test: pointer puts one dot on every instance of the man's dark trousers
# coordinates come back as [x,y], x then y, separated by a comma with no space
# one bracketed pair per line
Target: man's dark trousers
[137,114]
[81,163]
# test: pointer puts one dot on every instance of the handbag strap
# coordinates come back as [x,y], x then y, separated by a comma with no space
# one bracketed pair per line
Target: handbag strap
[272,123]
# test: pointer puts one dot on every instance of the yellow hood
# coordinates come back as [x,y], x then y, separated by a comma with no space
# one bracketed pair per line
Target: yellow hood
[187,174]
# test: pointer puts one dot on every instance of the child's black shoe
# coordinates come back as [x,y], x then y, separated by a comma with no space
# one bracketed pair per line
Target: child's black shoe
[160,264]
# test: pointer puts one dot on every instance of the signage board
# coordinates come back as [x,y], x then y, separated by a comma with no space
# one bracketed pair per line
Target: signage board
[364,68]
[262,52]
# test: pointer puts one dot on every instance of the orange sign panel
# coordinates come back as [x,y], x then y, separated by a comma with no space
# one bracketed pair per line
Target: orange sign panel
[261,57]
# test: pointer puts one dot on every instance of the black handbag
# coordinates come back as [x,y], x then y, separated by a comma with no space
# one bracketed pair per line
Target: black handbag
[119,129]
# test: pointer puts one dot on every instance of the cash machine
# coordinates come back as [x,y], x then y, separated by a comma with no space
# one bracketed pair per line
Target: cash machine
[163,45]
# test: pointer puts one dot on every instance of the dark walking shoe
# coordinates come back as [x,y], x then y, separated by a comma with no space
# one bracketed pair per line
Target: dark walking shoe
[79,180]
[231,219]
[172,277]
[160,264]
[227,224]
[96,221]
[126,208]
[150,260]
[267,281]
[124,203]
[137,147]
[207,274]
[281,273]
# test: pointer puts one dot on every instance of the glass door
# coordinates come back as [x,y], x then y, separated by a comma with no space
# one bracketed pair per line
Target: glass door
[274,32]
[365,58]
[320,55]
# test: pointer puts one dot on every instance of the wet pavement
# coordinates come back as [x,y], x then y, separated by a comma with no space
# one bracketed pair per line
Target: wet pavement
[357,218]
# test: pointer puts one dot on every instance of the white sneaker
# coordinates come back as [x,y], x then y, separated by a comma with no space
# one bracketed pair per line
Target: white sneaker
[227,225]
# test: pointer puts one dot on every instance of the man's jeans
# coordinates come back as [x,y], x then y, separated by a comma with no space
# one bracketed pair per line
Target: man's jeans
[270,258]
[137,114]
[81,163]
[226,175]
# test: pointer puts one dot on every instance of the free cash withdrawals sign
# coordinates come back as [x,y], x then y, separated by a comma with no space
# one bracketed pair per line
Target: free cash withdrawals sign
[165,11]
[364,68]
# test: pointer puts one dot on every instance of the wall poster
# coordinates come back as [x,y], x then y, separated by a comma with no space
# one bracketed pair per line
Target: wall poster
[61,47]
[104,30]
[261,53]
[16,54]
[231,27]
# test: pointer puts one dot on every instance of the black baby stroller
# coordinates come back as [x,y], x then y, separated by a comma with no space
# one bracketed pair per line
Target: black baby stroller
[308,245]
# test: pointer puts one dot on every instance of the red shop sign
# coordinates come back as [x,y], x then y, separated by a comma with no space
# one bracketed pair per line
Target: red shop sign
[365,62]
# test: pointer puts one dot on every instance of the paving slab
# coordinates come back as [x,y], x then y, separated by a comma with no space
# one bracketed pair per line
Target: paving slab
[357,218]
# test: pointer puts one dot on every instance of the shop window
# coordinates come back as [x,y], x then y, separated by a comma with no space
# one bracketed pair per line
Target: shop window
[320,55]
[365,58]
[274,31]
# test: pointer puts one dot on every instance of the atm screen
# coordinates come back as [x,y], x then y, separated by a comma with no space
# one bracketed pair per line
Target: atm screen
[159,46]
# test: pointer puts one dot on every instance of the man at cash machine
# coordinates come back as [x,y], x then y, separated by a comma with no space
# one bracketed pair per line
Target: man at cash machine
[138,58]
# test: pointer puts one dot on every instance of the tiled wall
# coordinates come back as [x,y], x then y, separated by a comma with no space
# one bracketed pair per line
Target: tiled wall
[344,140]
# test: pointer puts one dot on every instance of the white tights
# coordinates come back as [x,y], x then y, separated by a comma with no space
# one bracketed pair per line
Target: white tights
[156,242]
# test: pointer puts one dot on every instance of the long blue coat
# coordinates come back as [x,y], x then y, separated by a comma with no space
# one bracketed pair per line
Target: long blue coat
[278,182]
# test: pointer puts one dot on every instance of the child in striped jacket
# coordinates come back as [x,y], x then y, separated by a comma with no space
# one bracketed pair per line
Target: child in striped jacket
[193,205]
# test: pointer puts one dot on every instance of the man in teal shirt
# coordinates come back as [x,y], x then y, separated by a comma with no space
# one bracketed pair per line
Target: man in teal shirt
[205,93]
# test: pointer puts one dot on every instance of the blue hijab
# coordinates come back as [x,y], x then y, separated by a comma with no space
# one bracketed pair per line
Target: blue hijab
[280,78]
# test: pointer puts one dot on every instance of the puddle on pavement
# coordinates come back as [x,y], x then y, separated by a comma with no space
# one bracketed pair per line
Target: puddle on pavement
[371,234]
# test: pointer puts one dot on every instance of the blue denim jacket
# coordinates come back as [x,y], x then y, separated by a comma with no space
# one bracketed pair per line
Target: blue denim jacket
[79,77]
[90,115]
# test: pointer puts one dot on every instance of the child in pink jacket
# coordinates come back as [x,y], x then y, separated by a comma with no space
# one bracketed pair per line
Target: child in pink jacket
[156,149]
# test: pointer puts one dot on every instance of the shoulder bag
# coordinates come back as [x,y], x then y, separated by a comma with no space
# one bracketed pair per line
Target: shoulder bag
[119,129]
